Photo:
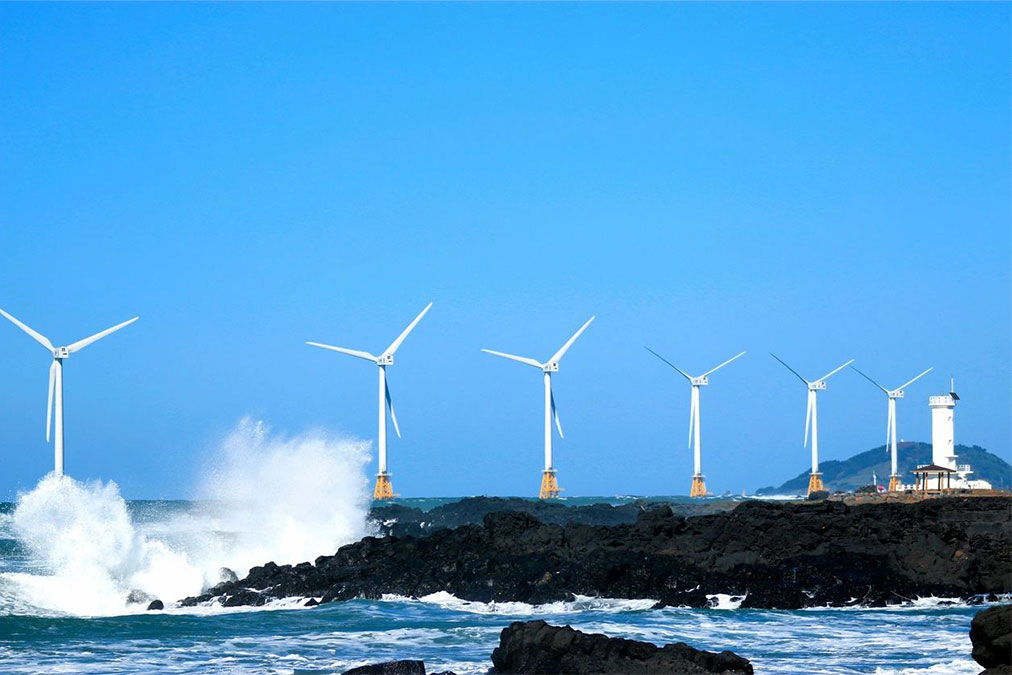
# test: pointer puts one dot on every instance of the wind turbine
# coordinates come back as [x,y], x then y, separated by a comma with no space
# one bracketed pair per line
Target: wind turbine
[549,484]
[55,401]
[893,394]
[698,488]
[383,489]
[812,416]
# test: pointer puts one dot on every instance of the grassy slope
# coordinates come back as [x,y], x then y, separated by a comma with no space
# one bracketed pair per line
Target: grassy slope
[855,472]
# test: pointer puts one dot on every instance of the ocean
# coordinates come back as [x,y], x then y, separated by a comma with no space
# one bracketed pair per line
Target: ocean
[71,553]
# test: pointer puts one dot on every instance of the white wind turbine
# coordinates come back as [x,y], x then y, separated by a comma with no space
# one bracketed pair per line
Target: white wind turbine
[549,484]
[383,489]
[698,488]
[812,417]
[55,402]
[893,394]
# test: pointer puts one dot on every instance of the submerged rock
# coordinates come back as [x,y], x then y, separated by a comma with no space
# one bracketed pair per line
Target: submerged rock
[536,647]
[156,605]
[390,668]
[991,636]
[786,556]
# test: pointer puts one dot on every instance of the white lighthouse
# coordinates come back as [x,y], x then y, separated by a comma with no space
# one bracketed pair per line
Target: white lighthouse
[943,437]
[944,473]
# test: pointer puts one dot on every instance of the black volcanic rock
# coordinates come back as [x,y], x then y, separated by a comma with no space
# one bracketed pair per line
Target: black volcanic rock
[804,554]
[389,668]
[536,647]
[991,636]
[400,520]
[156,605]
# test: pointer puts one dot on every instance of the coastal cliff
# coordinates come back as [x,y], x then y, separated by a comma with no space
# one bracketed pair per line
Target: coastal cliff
[783,556]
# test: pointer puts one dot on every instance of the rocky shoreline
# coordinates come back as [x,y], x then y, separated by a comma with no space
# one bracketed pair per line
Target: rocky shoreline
[401,521]
[774,555]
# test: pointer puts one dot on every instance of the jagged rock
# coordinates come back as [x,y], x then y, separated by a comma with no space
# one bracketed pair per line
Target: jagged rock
[312,602]
[536,647]
[390,668]
[818,495]
[786,556]
[226,575]
[991,636]
[155,605]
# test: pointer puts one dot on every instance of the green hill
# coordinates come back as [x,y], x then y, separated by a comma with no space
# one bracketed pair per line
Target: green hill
[850,474]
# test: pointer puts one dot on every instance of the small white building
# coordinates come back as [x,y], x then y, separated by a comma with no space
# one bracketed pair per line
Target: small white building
[944,472]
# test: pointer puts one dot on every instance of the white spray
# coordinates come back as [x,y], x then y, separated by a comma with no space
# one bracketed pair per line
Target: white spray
[268,498]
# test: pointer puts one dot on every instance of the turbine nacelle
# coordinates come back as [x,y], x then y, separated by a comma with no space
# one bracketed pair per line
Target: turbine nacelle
[552,367]
[700,381]
[817,386]
[895,393]
[385,360]
[60,352]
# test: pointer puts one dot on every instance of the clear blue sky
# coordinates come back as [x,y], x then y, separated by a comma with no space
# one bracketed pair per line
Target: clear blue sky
[826,181]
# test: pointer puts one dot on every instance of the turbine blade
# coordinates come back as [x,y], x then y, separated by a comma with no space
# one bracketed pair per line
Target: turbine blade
[835,371]
[49,403]
[569,343]
[789,368]
[889,427]
[521,359]
[81,344]
[684,374]
[351,352]
[713,370]
[692,419]
[400,338]
[870,380]
[808,418]
[555,414]
[38,337]
[907,384]
[390,407]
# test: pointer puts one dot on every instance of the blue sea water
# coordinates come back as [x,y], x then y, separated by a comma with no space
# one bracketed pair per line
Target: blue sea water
[56,613]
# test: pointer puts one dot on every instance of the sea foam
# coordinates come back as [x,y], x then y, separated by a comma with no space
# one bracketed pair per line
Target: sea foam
[267,497]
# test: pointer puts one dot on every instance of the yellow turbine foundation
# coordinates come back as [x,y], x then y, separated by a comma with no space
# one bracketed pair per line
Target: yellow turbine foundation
[894,484]
[815,483]
[383,488]
[549,486]
[698,488]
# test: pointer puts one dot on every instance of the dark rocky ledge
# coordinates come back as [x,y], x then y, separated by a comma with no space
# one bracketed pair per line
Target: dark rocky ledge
[401,521]
[536,647]
[991,636]
[777,555]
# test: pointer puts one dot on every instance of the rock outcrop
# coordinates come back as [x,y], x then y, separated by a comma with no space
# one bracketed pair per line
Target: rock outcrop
[390,668]
[401,521]
[536,647]
[776,555]
[991,636]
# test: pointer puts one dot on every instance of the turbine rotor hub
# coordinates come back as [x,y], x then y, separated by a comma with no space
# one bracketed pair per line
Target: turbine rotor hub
[385,360]
[551,367]
[700,381]
[60,352]
[817,386]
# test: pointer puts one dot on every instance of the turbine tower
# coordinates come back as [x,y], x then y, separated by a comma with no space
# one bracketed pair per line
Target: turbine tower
[812,417]
[698,488]
[383,489]
[549,484]
[893,394]
[55,402]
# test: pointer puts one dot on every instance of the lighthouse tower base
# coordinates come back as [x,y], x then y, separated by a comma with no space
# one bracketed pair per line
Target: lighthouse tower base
[383,488]
[698,488]
[815,483]
[549,485]
[894,484]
